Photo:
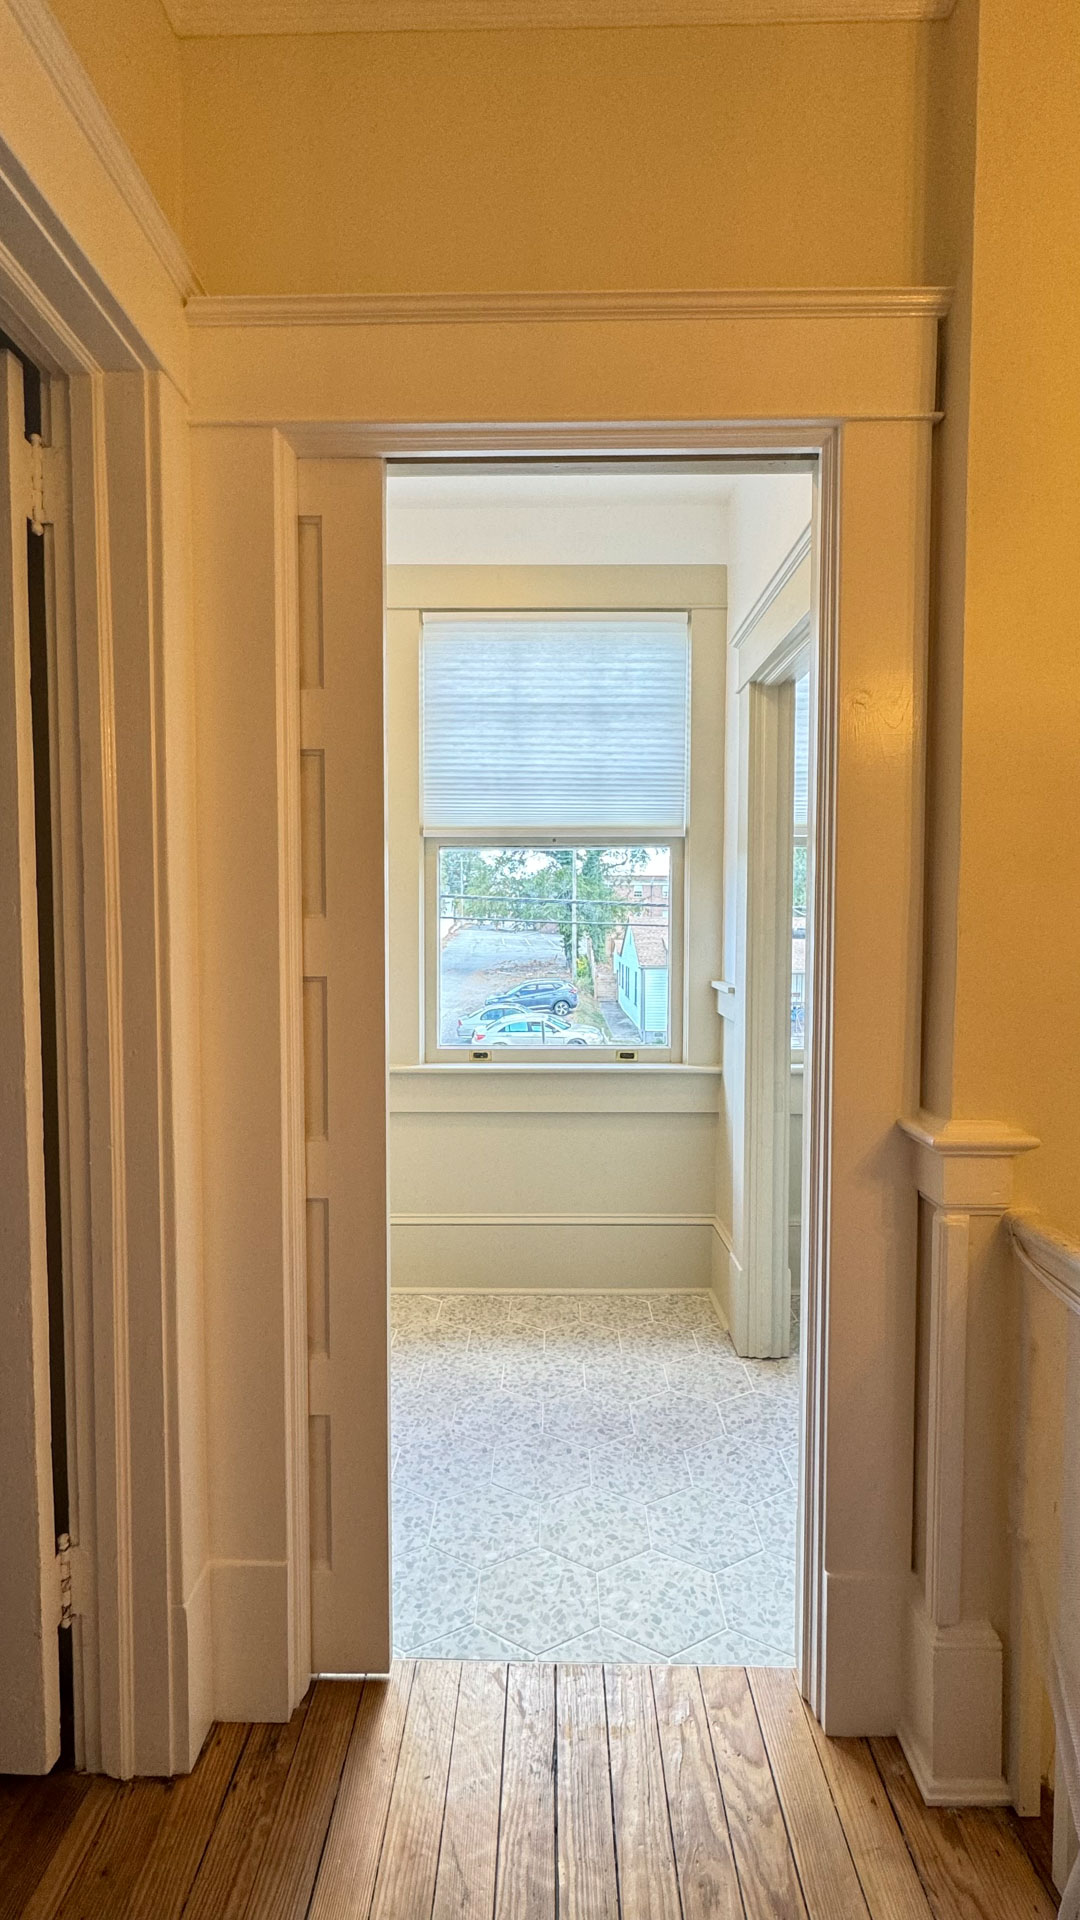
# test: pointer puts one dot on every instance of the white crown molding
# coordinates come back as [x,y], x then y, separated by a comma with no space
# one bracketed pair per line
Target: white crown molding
[193,18]
[69,76]
[501,309]
[1050,1256]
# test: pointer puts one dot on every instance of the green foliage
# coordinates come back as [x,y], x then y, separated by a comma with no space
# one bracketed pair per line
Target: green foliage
[798,898]
[531,887]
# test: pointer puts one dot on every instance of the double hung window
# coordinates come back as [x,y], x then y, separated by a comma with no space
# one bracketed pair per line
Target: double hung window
[554,793]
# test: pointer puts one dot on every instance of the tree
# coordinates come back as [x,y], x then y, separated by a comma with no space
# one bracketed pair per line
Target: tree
[580,892]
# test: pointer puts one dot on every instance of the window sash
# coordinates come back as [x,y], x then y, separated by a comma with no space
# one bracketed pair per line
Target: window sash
[582,1057]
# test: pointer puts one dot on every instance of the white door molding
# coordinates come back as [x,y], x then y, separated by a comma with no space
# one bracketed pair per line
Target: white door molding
[861,1254]
[29,1589]
[759,1303]
[130,1208]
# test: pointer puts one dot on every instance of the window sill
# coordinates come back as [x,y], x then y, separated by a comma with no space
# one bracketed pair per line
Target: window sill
[527,1087]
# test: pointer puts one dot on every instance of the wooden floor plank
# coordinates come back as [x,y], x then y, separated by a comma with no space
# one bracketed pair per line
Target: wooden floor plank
[823,1859]
[45,1814]
[194,1803]
[227,1871]
[350,1862]
[588,1887]
[884,1865]
[104,1886]
[525,1887]
[405,1885]
[767,1876]
[282,1885]
[465,1886]
[708,1881]
[15,1790]
[67,1861]
[648,1884]
[454,1793]
[965,1861]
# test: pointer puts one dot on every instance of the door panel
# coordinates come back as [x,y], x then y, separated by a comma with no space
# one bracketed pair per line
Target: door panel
[29,1593]
[344,885]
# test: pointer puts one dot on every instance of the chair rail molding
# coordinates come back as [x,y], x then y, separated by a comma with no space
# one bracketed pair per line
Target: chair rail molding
[951,1728]
[1051,1256]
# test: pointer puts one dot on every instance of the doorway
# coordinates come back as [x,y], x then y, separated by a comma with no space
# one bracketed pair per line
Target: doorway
[583,1465]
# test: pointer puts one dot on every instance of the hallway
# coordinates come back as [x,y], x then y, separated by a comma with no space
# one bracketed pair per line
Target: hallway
[619,1793]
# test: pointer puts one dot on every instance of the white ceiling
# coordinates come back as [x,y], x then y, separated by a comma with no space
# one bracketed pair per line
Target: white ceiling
[609,518]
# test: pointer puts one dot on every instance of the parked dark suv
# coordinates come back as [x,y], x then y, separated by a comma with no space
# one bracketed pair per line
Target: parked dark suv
[553,996]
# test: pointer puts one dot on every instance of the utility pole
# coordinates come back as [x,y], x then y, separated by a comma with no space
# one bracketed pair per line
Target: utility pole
[573,915]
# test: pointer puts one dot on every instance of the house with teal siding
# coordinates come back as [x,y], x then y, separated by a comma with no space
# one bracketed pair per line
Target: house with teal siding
[641,978]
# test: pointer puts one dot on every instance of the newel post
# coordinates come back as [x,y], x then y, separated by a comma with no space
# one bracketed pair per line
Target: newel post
[953,1683]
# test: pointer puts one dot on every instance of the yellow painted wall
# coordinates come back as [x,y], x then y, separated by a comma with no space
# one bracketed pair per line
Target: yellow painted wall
[734,156]
[133,58]
[1016,761]
[947,262]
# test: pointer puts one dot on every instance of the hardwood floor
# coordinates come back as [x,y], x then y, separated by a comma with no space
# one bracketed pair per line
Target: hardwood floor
[485,1792]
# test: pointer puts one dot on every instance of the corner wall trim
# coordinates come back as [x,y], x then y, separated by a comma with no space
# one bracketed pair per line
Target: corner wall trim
[501,309]
[73,83]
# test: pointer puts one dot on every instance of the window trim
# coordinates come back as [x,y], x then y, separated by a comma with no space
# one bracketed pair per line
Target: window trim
[700,590]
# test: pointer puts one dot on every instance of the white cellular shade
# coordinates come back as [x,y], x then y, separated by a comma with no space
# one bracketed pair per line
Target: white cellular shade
[555,723]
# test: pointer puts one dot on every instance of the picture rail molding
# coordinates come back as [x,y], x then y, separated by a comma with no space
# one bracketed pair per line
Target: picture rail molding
[502,309]
[195,18]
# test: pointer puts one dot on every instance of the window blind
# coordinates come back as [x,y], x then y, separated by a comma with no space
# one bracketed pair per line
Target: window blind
[553,724]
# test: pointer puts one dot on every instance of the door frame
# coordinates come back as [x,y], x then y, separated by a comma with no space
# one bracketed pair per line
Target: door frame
[858,1230]
[108,361]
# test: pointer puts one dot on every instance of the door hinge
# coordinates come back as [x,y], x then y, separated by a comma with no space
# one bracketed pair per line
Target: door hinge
[46,477]
[66,1556]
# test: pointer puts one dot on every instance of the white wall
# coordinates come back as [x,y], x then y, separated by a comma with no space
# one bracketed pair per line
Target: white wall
[559,519]
[767,512]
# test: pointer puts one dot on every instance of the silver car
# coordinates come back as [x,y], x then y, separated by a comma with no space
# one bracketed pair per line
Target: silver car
[536,1030]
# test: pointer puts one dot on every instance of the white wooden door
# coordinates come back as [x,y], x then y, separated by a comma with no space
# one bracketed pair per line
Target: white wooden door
[343,861]
[29,1588]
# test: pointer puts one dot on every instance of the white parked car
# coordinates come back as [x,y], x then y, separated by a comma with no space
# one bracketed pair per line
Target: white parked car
[536,1030]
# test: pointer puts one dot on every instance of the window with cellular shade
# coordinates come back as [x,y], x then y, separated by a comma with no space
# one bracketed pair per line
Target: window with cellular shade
[556,724]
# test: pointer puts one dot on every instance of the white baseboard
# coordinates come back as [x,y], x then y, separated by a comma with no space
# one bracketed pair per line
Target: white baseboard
[863,1653]
[250,1615]
[602,1252]
[950,1726]
[193,1673]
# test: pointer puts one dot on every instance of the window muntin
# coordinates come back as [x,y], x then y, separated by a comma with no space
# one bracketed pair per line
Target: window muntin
[556,930]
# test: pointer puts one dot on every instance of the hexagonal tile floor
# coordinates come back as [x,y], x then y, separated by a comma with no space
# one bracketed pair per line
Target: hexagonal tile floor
[589,1476]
